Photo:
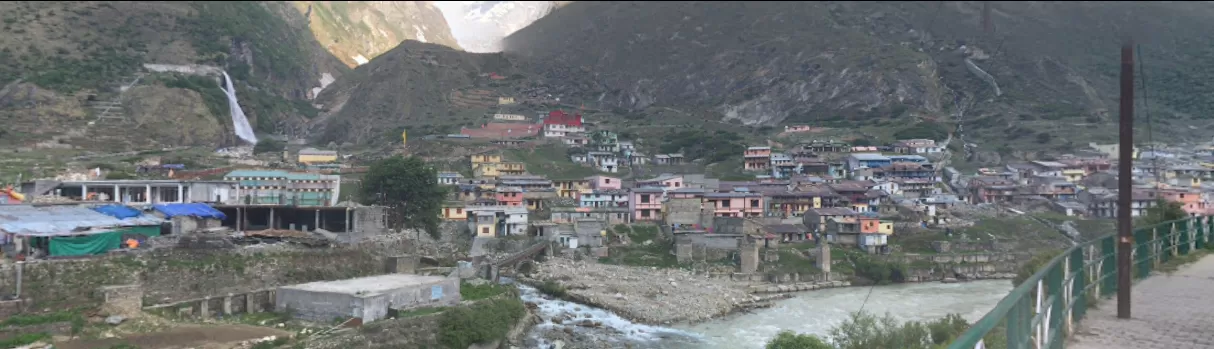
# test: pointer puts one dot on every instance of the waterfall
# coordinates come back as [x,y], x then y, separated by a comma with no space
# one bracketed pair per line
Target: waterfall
[239,121]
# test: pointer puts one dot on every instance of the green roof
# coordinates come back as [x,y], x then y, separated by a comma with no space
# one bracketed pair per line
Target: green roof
[274,174]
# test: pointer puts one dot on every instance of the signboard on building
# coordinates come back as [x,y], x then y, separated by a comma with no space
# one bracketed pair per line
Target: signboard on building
[512,117]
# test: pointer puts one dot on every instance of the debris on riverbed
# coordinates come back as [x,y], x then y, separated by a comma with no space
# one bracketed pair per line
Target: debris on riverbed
[646,295]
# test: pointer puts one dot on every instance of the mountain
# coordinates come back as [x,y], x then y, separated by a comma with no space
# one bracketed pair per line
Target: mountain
[357,31]
[93,75]
[417,85]
[1042,70]
[481,25]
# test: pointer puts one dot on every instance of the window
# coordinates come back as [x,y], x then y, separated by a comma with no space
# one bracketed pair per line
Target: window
[484,230]
[725,203]
[754,203]
[677,184]
[607,180]
[644,199]
[645,213]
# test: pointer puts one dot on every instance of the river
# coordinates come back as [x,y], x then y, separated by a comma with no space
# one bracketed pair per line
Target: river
[813,312]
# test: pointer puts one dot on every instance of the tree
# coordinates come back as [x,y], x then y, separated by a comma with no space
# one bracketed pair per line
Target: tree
[1163,211]
[790,340]
[268,145]
[407,186]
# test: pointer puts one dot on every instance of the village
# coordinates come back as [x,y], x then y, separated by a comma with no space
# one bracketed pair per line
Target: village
[813,214]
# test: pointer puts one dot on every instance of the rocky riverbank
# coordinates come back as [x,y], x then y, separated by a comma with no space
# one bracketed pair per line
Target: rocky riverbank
[647,295]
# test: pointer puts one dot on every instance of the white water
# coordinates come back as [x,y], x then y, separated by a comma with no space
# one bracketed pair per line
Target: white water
[239,121]
[813,312]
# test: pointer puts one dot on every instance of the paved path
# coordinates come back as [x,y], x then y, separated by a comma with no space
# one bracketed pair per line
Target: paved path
[1168,311]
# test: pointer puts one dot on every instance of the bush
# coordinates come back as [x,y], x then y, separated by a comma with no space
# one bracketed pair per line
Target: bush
[483,322]
[790,340]
[864,331]
[551,288]
[267,146]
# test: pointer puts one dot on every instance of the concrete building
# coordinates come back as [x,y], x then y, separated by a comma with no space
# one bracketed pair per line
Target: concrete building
[146,192]
[497,220]
[317,156]
[646,204]
[368,298]
[258,187]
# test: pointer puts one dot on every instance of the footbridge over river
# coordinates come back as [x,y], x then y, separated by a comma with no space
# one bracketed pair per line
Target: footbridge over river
[1055,308]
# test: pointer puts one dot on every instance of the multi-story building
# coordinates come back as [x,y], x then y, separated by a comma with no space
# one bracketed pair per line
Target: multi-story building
[317,156]
[815,219]
[867,160]
[524,182]
[987,189]
[666,182]
[916,146]
[646,204]
[604,198]
[756,159]
[736,204]
[497,220]
[604,182]
[570,188]
[509,196]
[286,188]
[559,124]
[478,159]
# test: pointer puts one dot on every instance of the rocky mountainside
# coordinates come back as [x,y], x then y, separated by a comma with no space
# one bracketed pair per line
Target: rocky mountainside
[414,84]
[80,66]
[1038,71]
[357,31]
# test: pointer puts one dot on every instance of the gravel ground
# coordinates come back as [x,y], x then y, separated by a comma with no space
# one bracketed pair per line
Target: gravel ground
[645,295]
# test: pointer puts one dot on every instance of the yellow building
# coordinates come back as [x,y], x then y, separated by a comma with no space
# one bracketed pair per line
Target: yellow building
[485,226]
[570,188]
[1073,175]
[885,227]
[505,100]
[454,211]
[511,168]
[484,158]
[486,170]
[316,156]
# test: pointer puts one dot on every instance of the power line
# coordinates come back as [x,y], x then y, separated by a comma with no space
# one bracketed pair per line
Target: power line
[1142,78]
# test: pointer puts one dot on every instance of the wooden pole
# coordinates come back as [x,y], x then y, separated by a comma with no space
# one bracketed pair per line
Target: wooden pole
[1125,195]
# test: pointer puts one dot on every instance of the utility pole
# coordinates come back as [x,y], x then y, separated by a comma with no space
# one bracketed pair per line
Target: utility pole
[1125,236]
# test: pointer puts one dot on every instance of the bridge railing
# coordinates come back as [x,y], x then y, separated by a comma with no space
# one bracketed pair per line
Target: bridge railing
[1045,308]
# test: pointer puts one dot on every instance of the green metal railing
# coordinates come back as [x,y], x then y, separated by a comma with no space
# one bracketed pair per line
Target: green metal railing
[1043,310]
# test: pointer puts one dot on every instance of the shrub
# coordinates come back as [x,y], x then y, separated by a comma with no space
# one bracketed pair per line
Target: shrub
[483,322]
[551,288]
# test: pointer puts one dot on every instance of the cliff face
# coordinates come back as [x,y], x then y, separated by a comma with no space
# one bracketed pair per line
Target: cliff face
[1041,64]
[357,31]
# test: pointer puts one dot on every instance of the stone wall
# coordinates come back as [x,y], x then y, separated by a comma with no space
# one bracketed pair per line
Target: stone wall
[174,275]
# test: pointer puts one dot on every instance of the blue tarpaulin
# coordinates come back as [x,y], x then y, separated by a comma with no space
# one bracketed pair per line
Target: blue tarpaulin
[194,210]
[118,211]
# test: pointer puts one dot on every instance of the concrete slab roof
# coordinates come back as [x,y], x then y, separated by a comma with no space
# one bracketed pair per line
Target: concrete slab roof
[367,286]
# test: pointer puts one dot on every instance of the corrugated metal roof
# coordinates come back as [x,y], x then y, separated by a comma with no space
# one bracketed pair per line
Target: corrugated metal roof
[274,174]
[32,220]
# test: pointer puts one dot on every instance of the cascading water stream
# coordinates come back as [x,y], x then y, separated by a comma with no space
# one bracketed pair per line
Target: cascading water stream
[239,121]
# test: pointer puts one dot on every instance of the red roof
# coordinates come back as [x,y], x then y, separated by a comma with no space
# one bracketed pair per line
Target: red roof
[557,117]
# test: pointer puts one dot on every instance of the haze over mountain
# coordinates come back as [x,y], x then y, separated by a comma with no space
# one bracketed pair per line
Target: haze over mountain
[480,25]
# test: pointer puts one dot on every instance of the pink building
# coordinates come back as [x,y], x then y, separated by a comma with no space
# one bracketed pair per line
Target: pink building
[604,182]
[667,182]
[646,204]
[735,204]
[757,158]
[509,196]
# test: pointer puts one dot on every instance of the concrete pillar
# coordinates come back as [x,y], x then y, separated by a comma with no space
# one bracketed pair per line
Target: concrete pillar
[227,305]
[84,192]
[180,193]
[147,194]
[272,218]
[204,308]
[750,255]
[347,226]
[117,194]
[250,303]
[317,220]
[824,257]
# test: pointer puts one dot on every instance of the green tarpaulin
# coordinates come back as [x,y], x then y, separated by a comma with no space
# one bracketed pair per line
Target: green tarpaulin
[148,231]
[85,245]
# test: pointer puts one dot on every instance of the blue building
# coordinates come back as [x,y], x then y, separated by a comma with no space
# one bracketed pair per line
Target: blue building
[867,160]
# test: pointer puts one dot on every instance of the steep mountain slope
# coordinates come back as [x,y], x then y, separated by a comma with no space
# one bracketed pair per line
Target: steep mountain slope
[414,84]
[66,62]
[1041,66]
[357,31]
